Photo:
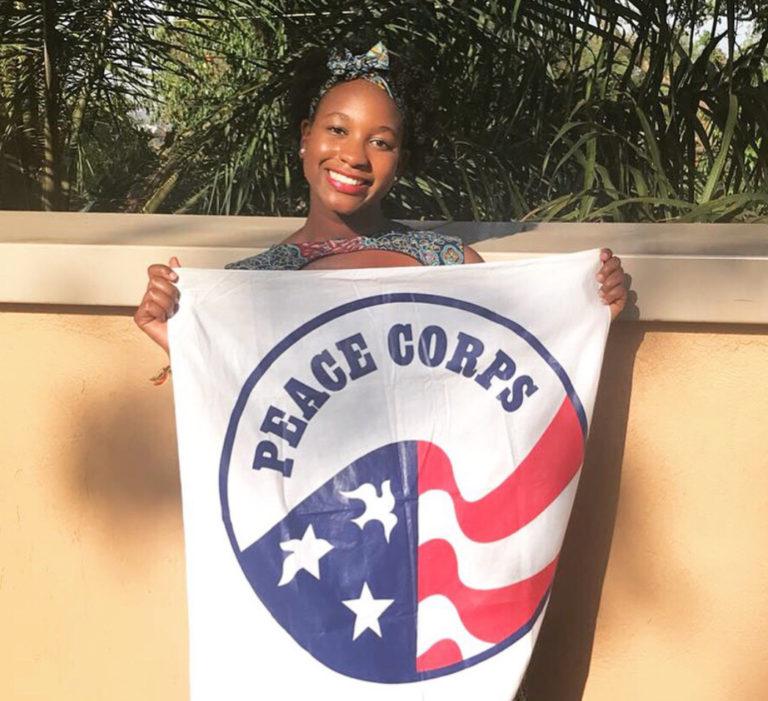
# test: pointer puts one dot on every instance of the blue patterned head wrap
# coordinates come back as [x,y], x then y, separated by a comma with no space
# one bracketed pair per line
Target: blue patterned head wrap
[370,66]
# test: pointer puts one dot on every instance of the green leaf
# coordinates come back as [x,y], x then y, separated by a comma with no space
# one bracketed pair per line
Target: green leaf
[653,149]
[725,143]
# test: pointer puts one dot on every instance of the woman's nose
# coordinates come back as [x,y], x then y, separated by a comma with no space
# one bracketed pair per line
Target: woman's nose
[352,153]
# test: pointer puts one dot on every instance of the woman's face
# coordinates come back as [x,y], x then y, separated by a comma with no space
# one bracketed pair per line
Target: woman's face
[352,147]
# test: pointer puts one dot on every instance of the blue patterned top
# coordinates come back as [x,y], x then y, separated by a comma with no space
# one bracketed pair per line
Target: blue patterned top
[427,247]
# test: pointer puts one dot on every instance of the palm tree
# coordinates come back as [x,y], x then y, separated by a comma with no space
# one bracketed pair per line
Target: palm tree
[568,109]
[590,110]
[67,69]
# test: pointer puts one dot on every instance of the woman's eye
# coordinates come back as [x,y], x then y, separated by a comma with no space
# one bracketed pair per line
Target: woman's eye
[380,143]
[337,130]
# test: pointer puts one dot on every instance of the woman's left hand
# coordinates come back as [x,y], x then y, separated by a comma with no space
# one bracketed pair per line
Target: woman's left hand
[613,289]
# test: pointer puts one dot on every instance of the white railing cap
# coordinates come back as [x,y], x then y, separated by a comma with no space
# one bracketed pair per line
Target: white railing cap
[679,272]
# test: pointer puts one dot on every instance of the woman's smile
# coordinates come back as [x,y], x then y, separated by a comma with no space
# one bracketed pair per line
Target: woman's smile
[346,183]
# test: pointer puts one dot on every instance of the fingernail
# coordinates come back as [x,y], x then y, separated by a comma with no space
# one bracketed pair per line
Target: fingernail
[600,277]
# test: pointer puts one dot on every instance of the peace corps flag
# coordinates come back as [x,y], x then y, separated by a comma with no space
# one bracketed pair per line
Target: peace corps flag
[377,468]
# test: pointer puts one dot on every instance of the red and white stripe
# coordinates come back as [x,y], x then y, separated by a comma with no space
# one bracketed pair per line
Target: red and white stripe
[484,566]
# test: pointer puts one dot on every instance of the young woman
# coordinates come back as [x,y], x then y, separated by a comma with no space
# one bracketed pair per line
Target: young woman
[357,134]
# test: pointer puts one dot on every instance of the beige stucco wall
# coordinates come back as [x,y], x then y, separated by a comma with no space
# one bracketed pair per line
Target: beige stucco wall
[663,586]
[92,596]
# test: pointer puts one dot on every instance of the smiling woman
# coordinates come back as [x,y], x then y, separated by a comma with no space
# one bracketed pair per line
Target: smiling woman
[351,150]
[361,122]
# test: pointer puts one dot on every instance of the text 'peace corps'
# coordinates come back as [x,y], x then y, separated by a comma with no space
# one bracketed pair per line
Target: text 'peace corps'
[333,371]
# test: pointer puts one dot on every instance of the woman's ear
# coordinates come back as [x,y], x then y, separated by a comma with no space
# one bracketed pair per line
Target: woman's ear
[305,128]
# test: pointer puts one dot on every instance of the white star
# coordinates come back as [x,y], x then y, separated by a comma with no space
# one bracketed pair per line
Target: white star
[367,611]
[305,555]
[377,508]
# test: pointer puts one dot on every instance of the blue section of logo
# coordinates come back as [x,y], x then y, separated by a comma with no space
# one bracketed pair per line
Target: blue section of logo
[310,607]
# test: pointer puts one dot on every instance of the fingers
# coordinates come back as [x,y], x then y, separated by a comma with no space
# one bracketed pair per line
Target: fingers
[161,299]
[609,266]
[613,288]
[162,271]
[164,286]
[155,306]
[161,288]
[165,300]
[617,307]
[613,294]
[615,279]
[157,310]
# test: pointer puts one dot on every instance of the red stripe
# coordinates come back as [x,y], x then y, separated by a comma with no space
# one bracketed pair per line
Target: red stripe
[491,615]
[441,654]
[544,473]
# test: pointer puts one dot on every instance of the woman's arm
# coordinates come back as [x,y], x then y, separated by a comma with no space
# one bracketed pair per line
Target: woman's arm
[471,255]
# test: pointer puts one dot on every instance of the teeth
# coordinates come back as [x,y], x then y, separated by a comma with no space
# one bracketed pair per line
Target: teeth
[345,179]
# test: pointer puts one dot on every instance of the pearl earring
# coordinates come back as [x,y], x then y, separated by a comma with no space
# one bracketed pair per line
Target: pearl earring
[302,151]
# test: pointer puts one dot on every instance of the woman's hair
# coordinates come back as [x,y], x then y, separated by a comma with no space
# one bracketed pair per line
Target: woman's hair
[408,80]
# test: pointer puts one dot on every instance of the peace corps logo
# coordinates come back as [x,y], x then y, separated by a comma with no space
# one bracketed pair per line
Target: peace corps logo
[396,480]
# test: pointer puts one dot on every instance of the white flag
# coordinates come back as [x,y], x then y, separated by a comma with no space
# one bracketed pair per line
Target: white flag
[377,468]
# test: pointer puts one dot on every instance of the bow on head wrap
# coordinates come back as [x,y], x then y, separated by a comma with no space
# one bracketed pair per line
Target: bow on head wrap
[369,66]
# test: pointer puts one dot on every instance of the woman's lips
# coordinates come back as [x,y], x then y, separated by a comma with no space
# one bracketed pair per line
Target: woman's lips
[347,188]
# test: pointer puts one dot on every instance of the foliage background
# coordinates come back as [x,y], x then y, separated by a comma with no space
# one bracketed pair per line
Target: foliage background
[590,110]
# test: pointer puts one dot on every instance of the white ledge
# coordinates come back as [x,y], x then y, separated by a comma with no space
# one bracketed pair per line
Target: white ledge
[679,272]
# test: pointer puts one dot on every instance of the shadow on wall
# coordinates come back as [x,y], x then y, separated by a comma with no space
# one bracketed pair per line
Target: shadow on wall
[125,472]
[560,663]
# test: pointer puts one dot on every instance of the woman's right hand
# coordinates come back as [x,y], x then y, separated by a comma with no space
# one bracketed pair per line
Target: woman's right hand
[160,302]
